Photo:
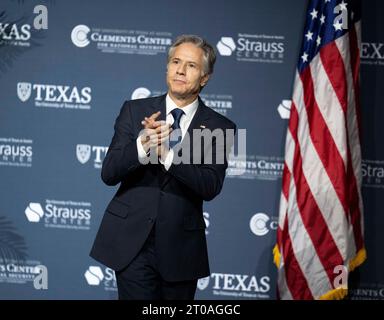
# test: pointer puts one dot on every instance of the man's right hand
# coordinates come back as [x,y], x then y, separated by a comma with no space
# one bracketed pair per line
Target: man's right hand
[155,132]
[149,123]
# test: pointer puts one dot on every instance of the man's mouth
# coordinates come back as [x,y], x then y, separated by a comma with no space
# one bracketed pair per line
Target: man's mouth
[180,81]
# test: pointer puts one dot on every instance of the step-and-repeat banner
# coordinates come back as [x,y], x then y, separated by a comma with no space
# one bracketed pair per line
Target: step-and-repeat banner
[61,88]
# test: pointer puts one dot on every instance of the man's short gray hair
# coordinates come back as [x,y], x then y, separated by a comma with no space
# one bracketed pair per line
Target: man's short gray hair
[209,56]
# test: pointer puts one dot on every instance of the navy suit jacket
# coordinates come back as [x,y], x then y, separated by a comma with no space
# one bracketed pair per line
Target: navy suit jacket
[149,195]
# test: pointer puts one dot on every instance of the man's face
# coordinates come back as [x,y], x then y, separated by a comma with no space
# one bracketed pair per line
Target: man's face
[185,73]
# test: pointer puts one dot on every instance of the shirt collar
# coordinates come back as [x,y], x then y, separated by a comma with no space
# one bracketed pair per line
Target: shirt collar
[188,110]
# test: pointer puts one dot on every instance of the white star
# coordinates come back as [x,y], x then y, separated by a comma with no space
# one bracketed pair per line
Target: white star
[322,19]
[313,14]
[337,26]
[309,35]
[318,40]
[305,57]
[343,5]
[327,1]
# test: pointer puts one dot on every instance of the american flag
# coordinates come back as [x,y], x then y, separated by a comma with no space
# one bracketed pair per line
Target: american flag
[320,234]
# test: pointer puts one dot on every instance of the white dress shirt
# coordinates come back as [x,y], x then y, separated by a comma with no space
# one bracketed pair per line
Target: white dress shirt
[185,121]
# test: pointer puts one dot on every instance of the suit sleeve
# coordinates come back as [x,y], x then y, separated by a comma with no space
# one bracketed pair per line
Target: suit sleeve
[205,180]
[122,157]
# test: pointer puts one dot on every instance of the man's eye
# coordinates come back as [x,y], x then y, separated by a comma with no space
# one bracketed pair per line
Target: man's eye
[191,65]
[175,61]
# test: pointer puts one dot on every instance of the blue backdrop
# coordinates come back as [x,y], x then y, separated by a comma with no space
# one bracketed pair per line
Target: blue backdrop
[61,90]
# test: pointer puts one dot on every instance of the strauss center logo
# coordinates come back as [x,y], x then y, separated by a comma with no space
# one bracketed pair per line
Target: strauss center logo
[106,278]
[34,212]
[284,109]
[226,46]
[94,275]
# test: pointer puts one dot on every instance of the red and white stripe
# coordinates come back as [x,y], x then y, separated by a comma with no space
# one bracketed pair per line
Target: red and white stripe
[321,212]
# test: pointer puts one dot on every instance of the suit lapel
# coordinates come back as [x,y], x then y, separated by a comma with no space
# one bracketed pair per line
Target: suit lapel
[200,116]
[160,106]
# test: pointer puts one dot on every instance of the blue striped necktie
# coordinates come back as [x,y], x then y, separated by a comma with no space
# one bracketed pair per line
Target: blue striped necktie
[175,137]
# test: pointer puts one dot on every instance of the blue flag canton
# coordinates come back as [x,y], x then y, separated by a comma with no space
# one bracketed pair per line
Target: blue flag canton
[326,20]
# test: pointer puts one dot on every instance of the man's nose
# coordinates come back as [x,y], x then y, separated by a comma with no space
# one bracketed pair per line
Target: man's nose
[181,69]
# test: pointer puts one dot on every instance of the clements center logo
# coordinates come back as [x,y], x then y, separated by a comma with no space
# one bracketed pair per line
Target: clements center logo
[21,272]
[258,167]
[122,40]
[221,103]
[79,36]
[260,224]
[55,96]
[60,214]
[143,92]
[253,47]
[140,93]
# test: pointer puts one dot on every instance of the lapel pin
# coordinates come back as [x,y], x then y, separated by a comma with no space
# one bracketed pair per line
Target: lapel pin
[201,126]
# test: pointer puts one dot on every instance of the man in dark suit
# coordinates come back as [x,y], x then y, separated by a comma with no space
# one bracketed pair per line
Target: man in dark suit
[153,231]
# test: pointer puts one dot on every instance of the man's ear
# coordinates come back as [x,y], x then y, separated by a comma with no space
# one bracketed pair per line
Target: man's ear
[204,80]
